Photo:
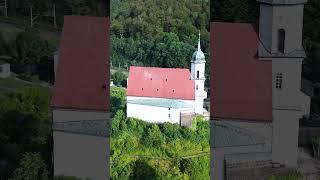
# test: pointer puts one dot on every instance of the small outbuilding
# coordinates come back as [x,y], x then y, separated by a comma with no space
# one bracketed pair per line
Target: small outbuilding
[4,69]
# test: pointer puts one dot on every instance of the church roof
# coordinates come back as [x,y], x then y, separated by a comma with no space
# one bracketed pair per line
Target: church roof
[170,83]
[83,69]
[241,83]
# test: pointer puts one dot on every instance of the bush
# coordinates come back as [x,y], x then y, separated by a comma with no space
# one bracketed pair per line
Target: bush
[31,166]
[315,142]
[294,175]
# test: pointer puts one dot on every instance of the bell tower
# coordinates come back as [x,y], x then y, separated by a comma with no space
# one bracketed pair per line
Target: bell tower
[280,35]
[280,28]
[198,75]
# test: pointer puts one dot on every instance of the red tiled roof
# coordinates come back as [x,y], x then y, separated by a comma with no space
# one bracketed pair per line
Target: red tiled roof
[171,83]
[83,66]
[241,84]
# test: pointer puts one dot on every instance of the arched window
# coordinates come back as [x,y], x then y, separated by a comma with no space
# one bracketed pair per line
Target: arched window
[197,87]
[197,74]
[281,40]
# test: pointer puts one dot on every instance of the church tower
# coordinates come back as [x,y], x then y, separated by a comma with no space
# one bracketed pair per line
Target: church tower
[198,75]
[280,34]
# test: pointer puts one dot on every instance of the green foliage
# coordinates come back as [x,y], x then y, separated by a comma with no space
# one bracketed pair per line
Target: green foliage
[25,126]
[119,78]
[29,51]
[153,137]
[294,175]
[32,166]
[140,150]
[117,99]
[142,170]
[315,142]
[157,33]
[235,11]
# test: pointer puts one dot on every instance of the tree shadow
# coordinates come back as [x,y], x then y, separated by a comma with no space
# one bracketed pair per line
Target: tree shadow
[141,170]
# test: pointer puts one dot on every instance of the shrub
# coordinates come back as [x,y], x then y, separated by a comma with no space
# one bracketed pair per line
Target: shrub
[315,142]
[32,166]
[294,175]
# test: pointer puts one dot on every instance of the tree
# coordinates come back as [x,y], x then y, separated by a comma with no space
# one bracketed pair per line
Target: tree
[141,170]
[118,123]
[119,78]
[31,166]
[117,99]
[154,137]
[27,51]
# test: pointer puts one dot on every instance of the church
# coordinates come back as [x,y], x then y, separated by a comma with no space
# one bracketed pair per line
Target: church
[257,100]
[172,95]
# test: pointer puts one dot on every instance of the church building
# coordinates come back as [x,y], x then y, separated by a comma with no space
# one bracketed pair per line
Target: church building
[256,87]
[172,95]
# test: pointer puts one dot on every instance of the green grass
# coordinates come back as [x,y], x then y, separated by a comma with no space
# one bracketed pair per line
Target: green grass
[12,85]
[294,175]
[10,27]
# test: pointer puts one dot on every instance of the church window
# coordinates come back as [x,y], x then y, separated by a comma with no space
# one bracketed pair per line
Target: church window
[169,115]
[157,89]
[279,81]
[197,87]
[172,90]
[281,40]
[169,109]
[197,74]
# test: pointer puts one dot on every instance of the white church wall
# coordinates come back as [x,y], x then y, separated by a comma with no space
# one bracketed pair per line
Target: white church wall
[273,18]
[290,69]
[217,161]
[64,115]
[264,129]
[151,98]
[80,155]
[153,114]
[285,137]
[290,18]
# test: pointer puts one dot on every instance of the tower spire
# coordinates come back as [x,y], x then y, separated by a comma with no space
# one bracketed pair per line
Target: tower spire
[199,47]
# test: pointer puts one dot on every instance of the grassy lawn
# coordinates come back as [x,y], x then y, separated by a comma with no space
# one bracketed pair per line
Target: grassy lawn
[12,85]
[10,27]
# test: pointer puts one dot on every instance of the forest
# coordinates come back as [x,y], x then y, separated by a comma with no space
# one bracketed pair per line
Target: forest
[141,150]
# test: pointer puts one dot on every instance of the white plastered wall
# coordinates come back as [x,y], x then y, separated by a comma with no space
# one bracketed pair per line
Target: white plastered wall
[78,154]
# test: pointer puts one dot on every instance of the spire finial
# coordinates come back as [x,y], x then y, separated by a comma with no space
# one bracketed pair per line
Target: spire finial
[199,48]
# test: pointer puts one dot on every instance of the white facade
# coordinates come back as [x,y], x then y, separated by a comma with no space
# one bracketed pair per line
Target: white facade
[78,154]
[157,113]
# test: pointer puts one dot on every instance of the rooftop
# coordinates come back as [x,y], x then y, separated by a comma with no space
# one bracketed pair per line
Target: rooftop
[82,80]
[241,83]
[170,83]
